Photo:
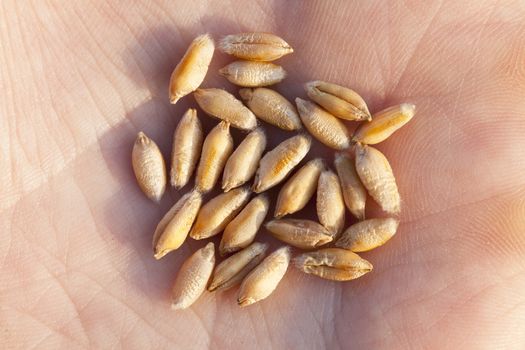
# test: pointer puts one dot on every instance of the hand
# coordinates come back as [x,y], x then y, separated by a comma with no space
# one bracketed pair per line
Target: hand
[80,79]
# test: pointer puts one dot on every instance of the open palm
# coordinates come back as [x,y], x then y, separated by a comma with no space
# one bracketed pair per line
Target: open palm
[80,78]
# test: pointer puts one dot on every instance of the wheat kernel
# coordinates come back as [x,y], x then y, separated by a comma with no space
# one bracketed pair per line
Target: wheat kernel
[223,105]
[304,234]
[299,189]
[263,280]
[378,178]
[367,235]
[253,74]
[330,203]
[218,212]
[279,162]
[323,126]
[148,166]
[187,145]
[216,149]
[231,271]
[241,231]
[191,70]
[255,46]
[243,162]
[354,193]
[193,277]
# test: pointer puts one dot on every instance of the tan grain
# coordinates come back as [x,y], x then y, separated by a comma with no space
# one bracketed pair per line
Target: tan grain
[384,124]
[354,193]
[149,167]
[187,145]
[279,162]
[193,277]
[271,107]
[253,74]
[242,164]
[323,126]
[342,102]
[377,176]
[304,234]
[241,231]
[191,70]
[299,189]
[255,46]
[263,280]
[330,203]
[333,264]
[218,212]
[174,227]
[223,105]
[216,149]
[231,271]
[368,234]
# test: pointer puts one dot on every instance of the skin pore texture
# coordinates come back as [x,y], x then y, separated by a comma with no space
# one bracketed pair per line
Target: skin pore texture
[79,79]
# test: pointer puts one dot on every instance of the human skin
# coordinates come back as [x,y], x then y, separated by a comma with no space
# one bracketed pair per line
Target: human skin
[79,79]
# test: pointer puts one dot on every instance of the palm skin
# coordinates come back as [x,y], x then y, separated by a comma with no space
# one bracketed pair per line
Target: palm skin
[79,79]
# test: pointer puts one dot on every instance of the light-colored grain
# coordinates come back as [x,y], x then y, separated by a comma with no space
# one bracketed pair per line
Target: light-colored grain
[354,193]
[304,234]
[384,124]
[330,204]
[193,277]
[187,145]
[342,102]
[333,264]
[216,149]
[174,227]
[255,46]
[323,126]
[279,162]
[377,176]
[242,164]
[241,231]
[271,107]
[231,271]
[223,105]
[368,234]
[218,212]
[149,167]
[191,70]
[299,189]
[263,280]
[253,74]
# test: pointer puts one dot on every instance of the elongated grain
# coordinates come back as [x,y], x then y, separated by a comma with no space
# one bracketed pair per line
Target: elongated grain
[187,146]
[330,203]
[174,227]
[299,189]
[323,126]
[218,212]
[304,234]
[223,105]
[253,74]
[242,164]
[241,231]
[191,70]
[333,264]
[384,124]
[193,277]
[216,149]
[263,280]
[255,46]
[231,271]
[279,162]
[377,176]
[354,193]
[341,102]
[149,167]
[368,234]
[271,107]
